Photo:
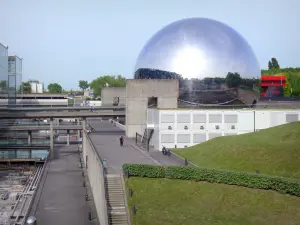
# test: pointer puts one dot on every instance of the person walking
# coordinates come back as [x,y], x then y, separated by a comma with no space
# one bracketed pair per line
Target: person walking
[121,141]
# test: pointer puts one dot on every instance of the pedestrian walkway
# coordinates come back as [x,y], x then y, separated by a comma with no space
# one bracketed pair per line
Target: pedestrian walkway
[62,197]
[105,138]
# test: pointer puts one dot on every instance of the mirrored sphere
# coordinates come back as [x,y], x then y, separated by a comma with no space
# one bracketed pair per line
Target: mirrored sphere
[199,48]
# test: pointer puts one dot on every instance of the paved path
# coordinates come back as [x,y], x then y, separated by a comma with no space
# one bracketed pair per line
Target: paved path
[62,200]
[105,138]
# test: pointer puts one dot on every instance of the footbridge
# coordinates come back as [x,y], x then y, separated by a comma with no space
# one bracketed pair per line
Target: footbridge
[33,115]
[70,108]
[39,127]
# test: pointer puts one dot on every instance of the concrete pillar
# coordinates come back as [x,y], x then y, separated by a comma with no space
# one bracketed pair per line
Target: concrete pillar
[83,123]
[51,138]
[68,137]
[57,123]
[29,137]
[78,131]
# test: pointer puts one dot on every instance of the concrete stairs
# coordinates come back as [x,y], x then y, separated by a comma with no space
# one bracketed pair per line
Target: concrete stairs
[115,200]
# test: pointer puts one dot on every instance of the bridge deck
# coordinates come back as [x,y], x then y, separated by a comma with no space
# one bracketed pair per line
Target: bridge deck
[62,197]
[106,141]
[25,115]
[39,127]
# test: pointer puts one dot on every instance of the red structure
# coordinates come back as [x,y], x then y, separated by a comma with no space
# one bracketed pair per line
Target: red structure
[272,85]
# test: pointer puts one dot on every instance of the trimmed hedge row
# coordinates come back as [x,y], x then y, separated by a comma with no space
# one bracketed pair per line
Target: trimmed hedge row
[144,170]
[250,180]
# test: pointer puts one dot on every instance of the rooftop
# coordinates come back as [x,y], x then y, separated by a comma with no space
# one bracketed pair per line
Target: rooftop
[17,186]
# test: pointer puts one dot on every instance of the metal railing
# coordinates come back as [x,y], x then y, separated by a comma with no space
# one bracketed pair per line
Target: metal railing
[140,142]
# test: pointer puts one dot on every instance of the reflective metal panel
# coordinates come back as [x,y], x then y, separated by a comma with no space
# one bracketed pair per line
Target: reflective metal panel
[204,49]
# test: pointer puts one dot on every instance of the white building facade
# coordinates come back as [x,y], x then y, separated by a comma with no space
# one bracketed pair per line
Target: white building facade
[184,128]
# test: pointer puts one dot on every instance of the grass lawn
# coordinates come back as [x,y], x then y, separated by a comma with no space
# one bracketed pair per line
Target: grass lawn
[164,201]
[274,151]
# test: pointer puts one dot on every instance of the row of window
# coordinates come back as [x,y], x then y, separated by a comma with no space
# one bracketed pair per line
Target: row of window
[202,127]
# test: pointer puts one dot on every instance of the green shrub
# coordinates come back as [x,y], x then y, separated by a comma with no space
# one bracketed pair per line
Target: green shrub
[250,180]
[144,170]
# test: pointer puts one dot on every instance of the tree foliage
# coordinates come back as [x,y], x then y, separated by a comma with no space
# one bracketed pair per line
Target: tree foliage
[273,66]
[275,63]
[54,88]
[104,81]
[292,88]
[83,85]
[3,85]
[233,80]
[25,88]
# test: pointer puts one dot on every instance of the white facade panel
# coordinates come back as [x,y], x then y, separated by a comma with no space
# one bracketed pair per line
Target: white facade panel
[204,125]
[167,139]
[39,88]
[199,138]
[262,119]
[199,120]
[167,120]
[277,118]
[246,121]
[292,116]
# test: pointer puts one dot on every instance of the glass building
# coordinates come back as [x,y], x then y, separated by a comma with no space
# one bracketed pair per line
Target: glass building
[14,78]
[3,71]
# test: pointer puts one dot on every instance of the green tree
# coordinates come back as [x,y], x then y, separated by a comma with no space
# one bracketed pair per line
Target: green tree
[104,81]
[270,65]
[275,64]
[83,84]
[233,80]
[25,88]
[3,85]
[54,88]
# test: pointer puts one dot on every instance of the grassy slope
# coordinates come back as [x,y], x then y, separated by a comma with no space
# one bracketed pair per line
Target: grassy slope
[164,202]
[274,151]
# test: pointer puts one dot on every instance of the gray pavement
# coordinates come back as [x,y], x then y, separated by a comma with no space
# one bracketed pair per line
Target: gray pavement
[62,199]
[105,138]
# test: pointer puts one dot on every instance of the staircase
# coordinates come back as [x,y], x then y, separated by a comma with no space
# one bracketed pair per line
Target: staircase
[115,200]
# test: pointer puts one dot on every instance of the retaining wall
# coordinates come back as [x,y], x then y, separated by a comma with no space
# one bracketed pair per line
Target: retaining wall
[95,171]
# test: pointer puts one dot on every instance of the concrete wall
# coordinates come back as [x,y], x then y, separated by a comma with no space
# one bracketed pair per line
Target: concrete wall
[109,93]
[95,173]
[137,94]
[183,128]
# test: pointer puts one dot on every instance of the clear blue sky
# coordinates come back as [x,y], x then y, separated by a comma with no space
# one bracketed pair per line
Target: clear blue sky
[67,40]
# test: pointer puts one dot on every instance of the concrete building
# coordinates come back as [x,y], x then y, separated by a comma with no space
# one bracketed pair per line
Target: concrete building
[37,88]
[14,78]
[141,94]
[184,128]
[113,95]
[3,69]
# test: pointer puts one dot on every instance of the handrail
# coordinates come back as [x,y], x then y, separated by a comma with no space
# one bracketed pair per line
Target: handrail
[118,124]
[93,147]
[183,159]
[35,197]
